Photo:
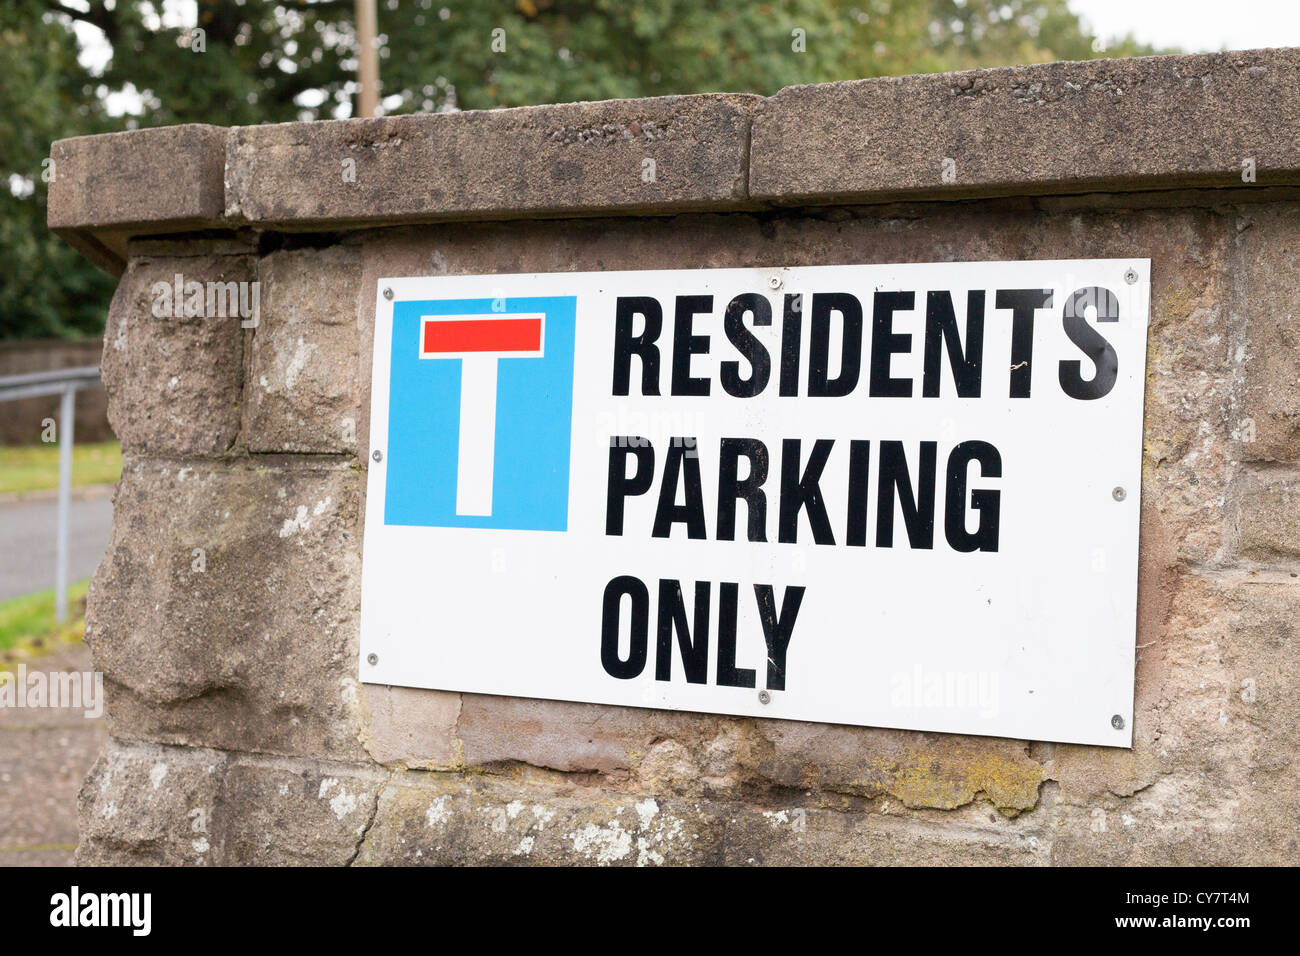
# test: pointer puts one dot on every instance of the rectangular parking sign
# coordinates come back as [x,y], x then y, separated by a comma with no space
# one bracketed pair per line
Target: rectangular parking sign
[887,495]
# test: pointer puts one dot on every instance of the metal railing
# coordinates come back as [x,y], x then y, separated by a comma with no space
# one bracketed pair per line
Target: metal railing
[65,383]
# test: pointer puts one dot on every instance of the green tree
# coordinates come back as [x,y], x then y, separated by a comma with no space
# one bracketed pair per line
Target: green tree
[970,34]
[247,62]
[46,289]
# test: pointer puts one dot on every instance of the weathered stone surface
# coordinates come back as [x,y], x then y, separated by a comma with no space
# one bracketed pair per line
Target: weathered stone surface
[669,752]
[1267,274]
[1061,128]
[106,189]
[243,242]
[148,804]
[1085,774]
[1268,516]
[662,154]
[226,611]
[1163,827]
[1054,127]
[918,770]
[1258,653]
[565,736]
[823,837]
[440,819]
[302,389]
[174,382]
[1213,777]
[170,178]
[443,819]
[281,813]
[411,728]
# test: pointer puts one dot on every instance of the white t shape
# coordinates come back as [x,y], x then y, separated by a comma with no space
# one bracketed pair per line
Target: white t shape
[478,432]
[479,342]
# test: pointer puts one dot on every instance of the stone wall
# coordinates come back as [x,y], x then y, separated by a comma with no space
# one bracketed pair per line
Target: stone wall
[225,617]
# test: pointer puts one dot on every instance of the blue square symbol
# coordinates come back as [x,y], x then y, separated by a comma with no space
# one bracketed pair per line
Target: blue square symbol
[509,376]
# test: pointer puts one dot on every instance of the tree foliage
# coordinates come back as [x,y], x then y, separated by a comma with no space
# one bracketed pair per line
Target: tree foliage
[245,62]
[46,289]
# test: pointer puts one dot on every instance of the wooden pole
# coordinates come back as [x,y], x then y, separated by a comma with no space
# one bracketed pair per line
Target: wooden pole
[368,67]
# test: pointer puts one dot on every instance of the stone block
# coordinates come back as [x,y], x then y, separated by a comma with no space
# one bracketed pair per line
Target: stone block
[304,372]
[225,613]
[169,177]
[1089,126]
[663,154]
[174,381]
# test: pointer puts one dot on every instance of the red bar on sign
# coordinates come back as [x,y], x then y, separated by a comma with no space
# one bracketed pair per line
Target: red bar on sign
[483,335]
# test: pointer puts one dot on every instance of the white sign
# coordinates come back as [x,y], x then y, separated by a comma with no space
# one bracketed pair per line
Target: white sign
[889,495]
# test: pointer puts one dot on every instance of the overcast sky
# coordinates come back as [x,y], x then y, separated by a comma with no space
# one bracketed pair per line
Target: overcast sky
[1198,26]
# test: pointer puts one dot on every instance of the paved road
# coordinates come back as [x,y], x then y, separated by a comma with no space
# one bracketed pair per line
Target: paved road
[27,545]
[45,754]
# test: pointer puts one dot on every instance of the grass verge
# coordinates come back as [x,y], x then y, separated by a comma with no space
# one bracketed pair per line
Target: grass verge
[28,628]
[36,467]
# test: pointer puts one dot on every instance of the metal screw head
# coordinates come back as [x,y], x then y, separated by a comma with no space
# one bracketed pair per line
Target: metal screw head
[775,282]
[377,455]
[1117,722]
[764,697]
[388,293]
[1130,276]
[1119,494]
[372,659]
